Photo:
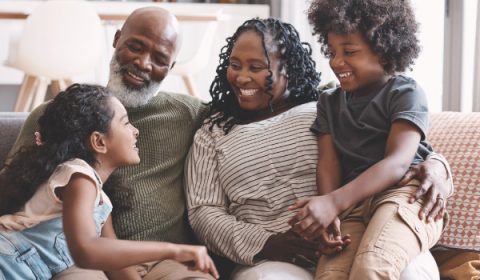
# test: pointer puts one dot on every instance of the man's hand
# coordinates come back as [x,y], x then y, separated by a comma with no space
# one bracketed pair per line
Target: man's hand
[292,248]
[315,215]
[434,188]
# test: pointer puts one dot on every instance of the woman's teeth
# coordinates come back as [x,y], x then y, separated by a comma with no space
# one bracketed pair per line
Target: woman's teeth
[248,92]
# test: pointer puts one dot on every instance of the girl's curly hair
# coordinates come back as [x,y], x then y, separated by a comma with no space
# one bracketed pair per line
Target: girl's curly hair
[388,25]
[295,56]
[65,126]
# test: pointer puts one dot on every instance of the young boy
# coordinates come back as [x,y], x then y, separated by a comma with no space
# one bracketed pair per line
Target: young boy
[370,131]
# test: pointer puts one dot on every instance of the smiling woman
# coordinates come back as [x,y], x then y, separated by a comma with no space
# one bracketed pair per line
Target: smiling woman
[255,154]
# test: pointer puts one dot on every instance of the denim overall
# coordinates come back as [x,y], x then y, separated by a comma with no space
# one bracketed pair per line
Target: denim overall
[41,252]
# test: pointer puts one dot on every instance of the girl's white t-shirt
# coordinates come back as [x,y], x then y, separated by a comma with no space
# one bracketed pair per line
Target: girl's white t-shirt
[45,204]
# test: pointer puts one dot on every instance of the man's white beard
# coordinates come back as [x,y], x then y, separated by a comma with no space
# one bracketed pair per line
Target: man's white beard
[128,96]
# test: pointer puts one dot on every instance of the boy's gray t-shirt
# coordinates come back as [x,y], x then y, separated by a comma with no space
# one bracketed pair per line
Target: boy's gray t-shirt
[359,126]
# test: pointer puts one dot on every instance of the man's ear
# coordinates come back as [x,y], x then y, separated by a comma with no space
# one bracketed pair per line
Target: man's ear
[97,142]
[116,37]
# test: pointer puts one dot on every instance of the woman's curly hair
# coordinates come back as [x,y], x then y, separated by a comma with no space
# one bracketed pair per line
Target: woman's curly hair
[65,126]
[388,25]
[295,58]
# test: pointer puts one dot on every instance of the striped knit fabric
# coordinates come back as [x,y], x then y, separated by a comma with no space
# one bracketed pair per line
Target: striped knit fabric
[239,185]
[167,125]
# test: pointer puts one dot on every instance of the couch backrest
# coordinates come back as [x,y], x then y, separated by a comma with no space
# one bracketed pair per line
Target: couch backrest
[457,137]
[10,124]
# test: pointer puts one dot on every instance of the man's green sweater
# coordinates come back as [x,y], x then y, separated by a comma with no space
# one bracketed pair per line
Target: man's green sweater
[167,125]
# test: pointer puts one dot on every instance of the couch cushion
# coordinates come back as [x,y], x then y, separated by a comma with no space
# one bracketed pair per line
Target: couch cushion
[457,136]
[10,124]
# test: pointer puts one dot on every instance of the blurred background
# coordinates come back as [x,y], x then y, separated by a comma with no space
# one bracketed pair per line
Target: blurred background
[448,66]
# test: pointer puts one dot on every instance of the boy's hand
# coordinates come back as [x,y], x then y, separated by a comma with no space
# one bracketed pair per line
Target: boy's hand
[315,215]
[331,240]
[196,258]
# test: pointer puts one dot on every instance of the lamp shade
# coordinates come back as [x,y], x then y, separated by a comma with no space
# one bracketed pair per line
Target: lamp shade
[60,39]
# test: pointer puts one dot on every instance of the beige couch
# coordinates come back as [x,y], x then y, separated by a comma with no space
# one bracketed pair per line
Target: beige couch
[455,135]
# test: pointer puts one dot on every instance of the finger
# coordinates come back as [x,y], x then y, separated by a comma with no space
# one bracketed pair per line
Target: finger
[312,232]
[212,269]
[326,241]
[435,209]
[429,201]
[302,225]
[301,215]
[347,239]
[298,204]
[409,175]
[337,233]
[441,213]
[439,205]
[200,264]
[421,191]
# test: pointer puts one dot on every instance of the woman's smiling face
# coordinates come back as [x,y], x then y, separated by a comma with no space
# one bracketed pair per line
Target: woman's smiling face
[247,73]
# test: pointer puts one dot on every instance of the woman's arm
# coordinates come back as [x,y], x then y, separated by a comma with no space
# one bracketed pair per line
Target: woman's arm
[92,252]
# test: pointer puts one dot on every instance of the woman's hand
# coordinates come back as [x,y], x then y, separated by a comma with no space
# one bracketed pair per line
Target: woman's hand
[331,240]
[434,188]
[196,258]
[290,247]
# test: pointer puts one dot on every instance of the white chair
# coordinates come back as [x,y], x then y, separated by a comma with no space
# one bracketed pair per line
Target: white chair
[187,68]
[60,39]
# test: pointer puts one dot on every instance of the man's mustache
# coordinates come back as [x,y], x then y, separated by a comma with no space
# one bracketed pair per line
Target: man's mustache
[135,71]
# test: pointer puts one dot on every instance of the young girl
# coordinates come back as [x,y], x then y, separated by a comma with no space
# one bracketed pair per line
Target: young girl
[55,217]
[370,131]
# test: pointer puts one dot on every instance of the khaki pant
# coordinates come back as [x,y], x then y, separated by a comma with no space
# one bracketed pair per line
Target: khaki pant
[164,270]
[386,235]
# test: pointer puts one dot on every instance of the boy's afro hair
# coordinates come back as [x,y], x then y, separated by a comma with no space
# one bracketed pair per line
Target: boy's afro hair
[388,25]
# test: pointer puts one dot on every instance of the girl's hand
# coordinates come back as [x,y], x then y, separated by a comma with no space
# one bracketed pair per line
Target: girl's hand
[196,258]
[315,215]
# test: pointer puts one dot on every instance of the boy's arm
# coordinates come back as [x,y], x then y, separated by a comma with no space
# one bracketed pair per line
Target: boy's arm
[401,146]
[328,180]
[328,165]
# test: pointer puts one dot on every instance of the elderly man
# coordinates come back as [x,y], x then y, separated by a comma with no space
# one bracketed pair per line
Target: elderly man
[145,50]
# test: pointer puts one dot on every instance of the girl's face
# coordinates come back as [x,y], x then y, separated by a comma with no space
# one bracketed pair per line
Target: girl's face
[247,72]
[358,68]
[121,139]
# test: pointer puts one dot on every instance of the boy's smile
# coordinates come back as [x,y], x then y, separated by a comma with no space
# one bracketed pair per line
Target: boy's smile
[358,68]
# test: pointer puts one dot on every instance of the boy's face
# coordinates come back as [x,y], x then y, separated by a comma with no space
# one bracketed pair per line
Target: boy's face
[358,68]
